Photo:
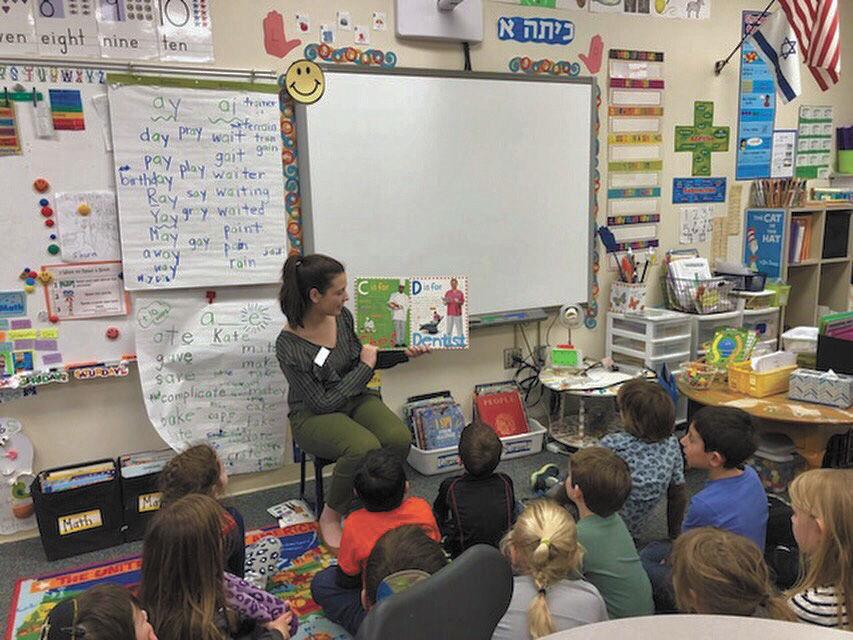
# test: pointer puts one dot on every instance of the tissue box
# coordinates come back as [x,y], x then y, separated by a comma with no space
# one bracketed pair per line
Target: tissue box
[821,387]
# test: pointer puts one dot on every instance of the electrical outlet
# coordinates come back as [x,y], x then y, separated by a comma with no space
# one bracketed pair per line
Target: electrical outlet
[512,357]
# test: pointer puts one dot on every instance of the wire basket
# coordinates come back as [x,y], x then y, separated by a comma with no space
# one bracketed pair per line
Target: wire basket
[712,295]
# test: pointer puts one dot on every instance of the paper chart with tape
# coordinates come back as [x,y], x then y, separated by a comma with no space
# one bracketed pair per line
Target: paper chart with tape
[199,181]
[209,372]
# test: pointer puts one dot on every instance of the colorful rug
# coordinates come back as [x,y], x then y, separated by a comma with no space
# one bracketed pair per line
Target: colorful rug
[302,557]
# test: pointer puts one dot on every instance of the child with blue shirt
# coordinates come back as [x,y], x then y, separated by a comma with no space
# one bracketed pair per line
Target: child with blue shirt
[719,440]
[651,450]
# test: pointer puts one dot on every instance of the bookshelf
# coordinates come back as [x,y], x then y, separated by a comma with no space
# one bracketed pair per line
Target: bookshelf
[821,275]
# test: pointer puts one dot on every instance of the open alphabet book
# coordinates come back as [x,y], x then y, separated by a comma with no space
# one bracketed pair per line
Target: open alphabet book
[396,313]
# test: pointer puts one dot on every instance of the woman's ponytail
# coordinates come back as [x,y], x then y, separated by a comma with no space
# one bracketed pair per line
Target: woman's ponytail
[299,275]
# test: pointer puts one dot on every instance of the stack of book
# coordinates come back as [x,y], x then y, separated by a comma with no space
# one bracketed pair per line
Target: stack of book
[801,237]
[134,465]
[84,476]
[499,406]
[435,420]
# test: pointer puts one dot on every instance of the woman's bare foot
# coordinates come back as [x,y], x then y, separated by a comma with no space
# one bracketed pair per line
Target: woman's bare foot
[330,528]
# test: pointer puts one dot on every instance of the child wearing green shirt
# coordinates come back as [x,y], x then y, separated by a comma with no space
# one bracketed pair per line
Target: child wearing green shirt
[599,482]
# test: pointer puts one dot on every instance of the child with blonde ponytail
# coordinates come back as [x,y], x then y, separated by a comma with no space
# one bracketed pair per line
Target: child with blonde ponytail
[548,592]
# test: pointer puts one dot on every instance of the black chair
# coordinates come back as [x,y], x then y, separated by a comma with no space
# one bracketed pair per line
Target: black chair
[319,463]
[463,601]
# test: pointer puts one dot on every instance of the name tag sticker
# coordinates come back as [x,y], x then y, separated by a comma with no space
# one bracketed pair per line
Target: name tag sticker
[321,356]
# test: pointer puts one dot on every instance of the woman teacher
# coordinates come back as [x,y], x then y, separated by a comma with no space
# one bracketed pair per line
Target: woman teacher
[332,415]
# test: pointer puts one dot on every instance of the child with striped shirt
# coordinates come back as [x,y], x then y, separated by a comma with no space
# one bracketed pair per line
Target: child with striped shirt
[822,500]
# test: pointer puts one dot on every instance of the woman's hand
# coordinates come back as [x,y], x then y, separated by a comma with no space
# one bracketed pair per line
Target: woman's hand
[281,624]
[368,355]
[414,352]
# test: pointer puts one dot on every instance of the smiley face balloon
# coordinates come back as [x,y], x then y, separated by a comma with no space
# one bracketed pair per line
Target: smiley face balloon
[304,81]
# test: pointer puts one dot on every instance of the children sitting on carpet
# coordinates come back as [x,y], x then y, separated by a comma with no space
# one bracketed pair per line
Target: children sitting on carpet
[823,527]
[651,450]
[199,470]
[184,587]
[599,481]
[104,612]
[719,439]
[548,592]
[478,506]
[380,483]
[723,573]
[400,558]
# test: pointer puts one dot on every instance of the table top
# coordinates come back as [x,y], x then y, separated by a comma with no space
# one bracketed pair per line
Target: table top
[594,382]
[778,407]
[698,627]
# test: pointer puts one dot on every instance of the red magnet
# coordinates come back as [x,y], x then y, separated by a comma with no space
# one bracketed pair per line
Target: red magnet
[112,333]
[53,318]
[49,222]
[41,185]
[46,212]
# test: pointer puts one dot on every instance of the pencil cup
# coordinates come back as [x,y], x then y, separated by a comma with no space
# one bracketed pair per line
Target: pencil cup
[626,297]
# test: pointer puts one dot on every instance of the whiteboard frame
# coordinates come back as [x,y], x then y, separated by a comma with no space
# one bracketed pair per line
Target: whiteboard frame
[303,150]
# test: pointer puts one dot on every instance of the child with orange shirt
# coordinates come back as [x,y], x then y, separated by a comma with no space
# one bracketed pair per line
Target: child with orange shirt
[380,483]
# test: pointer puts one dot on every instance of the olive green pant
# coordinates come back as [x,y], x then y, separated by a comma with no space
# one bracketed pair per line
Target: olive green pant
[362,424]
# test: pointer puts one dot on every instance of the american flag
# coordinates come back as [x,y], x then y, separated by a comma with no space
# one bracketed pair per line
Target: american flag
[816,24]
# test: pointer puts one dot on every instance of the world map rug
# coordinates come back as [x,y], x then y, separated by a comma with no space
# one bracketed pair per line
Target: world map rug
[302,557]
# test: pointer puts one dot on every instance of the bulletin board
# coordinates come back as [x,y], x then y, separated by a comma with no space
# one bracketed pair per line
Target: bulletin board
[78,312]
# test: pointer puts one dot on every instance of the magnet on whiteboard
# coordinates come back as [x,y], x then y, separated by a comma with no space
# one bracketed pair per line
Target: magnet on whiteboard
[84,209]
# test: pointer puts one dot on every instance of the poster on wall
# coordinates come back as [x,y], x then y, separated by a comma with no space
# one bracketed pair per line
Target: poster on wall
[784,150]
[67,28]
[186,33]
[814,142]
[538,30]
[201,202]
[757,108]
[18,29]
[763,239]
[209,372]
[85,290]
[128,29]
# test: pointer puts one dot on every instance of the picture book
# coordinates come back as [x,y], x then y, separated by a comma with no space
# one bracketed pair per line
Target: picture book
[382,311]
[503,412]
[439,425]
[397,313]
[435,420]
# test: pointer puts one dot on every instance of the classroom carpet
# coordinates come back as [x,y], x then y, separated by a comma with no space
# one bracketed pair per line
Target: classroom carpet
[302,556]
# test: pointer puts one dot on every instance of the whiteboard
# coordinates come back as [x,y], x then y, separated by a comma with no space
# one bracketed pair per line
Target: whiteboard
[73,162]
[489,175]
[200,185]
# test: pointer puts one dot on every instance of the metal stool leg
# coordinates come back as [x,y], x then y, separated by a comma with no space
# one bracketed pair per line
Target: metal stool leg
[318,486]
[302,462]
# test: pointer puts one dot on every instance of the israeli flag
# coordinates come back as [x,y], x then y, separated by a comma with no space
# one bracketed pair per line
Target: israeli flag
[777,45]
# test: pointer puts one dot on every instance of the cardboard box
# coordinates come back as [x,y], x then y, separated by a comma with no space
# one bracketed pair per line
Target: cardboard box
[821,387]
